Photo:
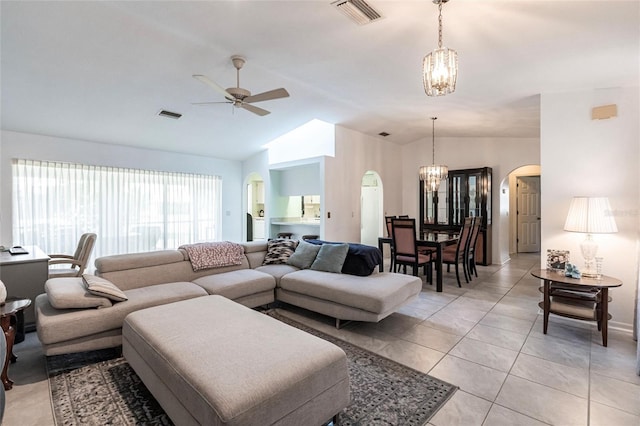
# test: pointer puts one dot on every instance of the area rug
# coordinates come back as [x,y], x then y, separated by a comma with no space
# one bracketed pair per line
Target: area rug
[100,388]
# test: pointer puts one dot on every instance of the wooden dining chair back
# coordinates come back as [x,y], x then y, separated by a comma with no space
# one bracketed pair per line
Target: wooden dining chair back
[387,221]
[406,246]
[455,254]
[471,247]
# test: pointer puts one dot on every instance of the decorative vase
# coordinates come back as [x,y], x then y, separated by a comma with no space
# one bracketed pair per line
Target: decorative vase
[3,293]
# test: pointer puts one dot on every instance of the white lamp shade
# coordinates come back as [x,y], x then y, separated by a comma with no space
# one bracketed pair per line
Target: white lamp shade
[590,215]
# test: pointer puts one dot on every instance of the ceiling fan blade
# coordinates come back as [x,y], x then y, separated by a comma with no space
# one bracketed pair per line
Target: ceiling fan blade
[267,96]
[210,103]
[204,79]
[254,109]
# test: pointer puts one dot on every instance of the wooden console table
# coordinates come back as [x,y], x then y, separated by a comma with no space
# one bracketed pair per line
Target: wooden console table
[585,285]
[24,275]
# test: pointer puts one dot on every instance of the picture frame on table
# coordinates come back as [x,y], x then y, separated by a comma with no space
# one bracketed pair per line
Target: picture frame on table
[557,260]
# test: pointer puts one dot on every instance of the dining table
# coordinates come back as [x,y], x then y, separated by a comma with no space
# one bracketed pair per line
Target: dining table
[434,239]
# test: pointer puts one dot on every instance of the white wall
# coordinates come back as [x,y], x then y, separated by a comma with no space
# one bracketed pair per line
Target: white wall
[301,180]
[580,156]
[259,164]
[38,147]
[503,155]
[356,153]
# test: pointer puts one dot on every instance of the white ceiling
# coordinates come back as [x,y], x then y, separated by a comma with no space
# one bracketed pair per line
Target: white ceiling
[101,71]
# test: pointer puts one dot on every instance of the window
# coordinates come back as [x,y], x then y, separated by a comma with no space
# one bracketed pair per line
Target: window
[130,210]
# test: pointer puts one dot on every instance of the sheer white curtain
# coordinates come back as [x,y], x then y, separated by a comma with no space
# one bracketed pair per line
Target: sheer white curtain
[130,210]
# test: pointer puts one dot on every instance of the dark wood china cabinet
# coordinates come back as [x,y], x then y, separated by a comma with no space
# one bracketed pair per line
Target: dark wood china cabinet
[465,193]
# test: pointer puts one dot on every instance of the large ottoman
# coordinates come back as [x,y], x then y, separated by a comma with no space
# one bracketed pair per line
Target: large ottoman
[211,361]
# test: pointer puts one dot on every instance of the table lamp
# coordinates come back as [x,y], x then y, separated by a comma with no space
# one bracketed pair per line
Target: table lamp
[590,215]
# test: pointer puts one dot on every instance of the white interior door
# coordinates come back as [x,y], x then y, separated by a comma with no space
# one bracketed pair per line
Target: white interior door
[528,213]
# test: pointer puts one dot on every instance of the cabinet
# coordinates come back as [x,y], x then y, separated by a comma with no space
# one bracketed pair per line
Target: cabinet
[258,229]
[465,193]
[259,192]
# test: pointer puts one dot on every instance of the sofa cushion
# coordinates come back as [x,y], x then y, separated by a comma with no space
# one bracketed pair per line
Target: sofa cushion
[71,293]
[255,252]
[120,262]
[304,255]
[330,258]
[58,325]
[279,250]
[237,284]
[377,293]
[105,288]
[277,271]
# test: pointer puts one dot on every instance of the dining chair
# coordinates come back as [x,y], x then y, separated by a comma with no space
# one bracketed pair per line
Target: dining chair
[406,247]
[455,254]
[76,262]
[471,248]
[387,221]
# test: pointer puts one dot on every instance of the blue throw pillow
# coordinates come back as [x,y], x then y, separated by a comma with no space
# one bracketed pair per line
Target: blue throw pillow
[331,257]
[304,255]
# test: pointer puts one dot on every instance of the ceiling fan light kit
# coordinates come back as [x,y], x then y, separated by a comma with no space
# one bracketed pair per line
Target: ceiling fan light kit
[440,67]
[238,96]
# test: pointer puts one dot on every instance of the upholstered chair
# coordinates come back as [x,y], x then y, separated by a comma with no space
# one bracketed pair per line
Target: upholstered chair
[77,262]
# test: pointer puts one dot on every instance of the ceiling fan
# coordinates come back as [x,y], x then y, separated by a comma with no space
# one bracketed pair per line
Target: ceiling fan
[239,97]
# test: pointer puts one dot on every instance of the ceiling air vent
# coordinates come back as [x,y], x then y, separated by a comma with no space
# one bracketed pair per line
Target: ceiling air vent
[169,114]
[357,10]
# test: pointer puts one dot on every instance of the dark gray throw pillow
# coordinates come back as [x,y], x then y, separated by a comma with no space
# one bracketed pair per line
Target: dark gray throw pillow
[331,257]
[304,255]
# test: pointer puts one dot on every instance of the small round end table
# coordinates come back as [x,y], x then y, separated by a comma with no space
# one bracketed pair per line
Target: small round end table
[8,321]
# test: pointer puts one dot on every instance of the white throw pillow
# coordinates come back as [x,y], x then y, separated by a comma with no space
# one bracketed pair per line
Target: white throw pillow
[105,288]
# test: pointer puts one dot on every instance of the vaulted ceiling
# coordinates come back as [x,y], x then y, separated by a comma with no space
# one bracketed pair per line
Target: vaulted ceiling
[101,71]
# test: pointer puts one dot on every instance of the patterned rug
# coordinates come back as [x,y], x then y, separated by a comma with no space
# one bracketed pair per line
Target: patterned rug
[100,388]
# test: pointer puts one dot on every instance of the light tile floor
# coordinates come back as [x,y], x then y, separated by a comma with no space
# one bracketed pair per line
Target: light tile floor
[485,337]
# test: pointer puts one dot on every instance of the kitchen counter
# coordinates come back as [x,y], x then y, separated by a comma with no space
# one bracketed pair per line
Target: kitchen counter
[296,222]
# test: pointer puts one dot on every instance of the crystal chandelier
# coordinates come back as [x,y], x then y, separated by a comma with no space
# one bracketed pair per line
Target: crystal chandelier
[433,174]
[440,67]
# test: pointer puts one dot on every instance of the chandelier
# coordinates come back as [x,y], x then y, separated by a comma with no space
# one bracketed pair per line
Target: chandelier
[433,174]
[440,67]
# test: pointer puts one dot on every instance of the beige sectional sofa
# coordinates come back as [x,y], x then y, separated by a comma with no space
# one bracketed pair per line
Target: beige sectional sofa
[161,277]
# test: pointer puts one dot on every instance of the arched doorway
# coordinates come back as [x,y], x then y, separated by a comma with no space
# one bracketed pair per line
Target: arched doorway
[254,228]
[371,209]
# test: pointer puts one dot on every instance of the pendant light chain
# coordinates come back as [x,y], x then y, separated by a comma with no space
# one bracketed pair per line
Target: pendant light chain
[433,139]
[440,25]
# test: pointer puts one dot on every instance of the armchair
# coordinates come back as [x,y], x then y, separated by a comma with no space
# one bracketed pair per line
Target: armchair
[77,262]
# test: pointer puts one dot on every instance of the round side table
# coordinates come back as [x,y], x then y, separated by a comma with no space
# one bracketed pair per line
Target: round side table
[8,321]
